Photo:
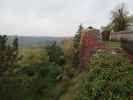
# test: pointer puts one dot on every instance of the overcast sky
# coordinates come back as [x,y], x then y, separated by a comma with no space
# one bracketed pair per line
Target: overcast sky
[54,17]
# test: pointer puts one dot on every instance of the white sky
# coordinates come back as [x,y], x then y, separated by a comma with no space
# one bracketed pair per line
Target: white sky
[54,17]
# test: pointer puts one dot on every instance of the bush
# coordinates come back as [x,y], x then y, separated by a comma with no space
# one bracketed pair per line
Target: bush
[110,77]
[14,88]
[44,75]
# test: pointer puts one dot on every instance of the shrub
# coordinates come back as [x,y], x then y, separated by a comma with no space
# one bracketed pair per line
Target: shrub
[44,75]
[110,77]
[14,88]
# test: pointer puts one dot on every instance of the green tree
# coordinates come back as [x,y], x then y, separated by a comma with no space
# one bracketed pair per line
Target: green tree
[119,18]
[12,86]
[8,55]
[76,39]
[76,46]
[55,54]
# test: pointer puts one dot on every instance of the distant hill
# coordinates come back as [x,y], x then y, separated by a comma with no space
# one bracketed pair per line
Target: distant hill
[32,41]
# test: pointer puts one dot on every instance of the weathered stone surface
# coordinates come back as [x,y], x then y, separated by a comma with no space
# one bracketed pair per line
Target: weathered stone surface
[90,41]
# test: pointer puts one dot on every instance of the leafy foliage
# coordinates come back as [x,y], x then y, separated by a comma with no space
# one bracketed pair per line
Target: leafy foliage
[9,82]
[8,55]
[110,77]
[119,18]
[14,88]
[76,46]
[44,75]
[55,54]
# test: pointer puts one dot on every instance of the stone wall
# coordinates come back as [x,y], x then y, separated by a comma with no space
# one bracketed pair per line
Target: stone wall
[90,41]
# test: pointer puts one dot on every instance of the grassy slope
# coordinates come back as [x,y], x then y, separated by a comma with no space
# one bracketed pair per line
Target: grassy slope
[113,44]
[70,93]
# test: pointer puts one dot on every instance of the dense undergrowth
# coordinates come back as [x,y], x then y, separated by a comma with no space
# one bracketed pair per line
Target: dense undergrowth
[109,77]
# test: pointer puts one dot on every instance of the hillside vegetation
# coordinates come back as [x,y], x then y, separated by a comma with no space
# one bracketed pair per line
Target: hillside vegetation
[104,80]
[80,68]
